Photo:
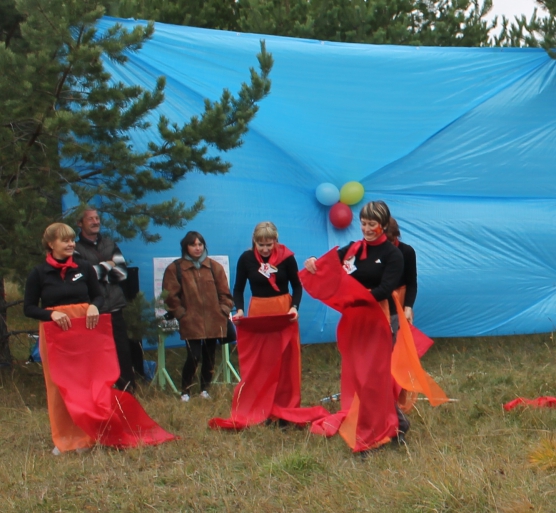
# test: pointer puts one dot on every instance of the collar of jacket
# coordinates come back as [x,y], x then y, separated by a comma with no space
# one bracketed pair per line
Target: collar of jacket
[187,264]
[89,242]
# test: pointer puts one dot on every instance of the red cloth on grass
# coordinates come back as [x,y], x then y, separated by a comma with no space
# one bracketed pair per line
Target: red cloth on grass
[539,402]
[84,366]
[270,381]
[367,417]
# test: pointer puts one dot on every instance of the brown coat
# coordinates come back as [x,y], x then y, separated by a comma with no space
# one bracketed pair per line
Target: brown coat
[205,303]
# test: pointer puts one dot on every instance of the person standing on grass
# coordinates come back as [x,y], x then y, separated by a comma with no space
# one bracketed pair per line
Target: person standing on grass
[407,286]
[59,290]
[110,265]
[364,328]
[268,342]
[198,296]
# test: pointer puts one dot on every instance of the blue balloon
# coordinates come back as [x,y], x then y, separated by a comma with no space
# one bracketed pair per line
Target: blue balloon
[327,194]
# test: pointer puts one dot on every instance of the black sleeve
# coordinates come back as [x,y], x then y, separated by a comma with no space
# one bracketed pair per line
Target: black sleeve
[410,276]
[293,277]
[241,281]
[32,297]
[391,275]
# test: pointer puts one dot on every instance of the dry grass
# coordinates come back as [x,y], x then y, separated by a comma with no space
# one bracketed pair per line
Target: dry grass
[466,457]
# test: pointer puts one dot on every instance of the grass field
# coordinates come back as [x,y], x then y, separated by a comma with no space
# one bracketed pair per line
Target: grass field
[464,457]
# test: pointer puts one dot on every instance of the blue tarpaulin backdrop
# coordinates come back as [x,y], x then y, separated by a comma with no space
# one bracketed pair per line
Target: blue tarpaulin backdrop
[460,142]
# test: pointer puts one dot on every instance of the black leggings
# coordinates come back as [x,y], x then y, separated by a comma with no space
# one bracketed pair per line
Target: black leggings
[195,350]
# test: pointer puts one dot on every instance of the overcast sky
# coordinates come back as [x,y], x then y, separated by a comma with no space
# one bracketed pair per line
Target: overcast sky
[511,8]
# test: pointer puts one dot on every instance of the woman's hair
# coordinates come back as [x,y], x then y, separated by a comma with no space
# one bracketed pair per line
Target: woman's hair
[376,211]
[56,231]
[393,230]
[189,240]
[265,230]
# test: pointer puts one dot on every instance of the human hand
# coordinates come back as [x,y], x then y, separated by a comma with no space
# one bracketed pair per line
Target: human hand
[91,319]
[61,319]
[408,312]
[293,310]
[310,265]
[238,316]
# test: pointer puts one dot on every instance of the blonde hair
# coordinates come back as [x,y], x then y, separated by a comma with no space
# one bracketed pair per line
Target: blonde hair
[265,230]
[56,231]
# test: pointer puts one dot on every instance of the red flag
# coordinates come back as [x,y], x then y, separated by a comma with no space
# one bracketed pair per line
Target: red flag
[270,386]
[84,366]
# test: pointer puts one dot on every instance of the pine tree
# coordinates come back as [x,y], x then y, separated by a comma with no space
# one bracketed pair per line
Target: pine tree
[399,22]
[538,32]
[65,127]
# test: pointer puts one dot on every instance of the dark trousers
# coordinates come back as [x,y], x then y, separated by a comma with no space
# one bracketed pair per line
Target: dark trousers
[197,349]
[126,381]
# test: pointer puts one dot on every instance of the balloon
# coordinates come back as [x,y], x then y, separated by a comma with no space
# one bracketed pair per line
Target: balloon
[327,194]
[351,193]
[340,215]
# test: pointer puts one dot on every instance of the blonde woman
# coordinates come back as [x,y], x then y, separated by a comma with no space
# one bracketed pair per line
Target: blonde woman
[270,268]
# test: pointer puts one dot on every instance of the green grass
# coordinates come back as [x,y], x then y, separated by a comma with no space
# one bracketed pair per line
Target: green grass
[467,456]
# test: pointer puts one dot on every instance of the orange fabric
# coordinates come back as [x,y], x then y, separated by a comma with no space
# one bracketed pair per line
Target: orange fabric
[270,305]
[406,366]
[66,435]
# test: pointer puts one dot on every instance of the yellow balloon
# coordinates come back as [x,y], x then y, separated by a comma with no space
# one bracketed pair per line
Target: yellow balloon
[351,193]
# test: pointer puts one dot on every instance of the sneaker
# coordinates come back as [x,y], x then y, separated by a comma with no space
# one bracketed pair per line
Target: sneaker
[185,398]
[56,451]
[205,394]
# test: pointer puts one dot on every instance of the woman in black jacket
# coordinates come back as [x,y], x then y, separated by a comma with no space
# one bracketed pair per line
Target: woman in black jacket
[58,290]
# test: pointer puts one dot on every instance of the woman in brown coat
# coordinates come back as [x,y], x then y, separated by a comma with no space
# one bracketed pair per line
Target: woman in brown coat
[201,303]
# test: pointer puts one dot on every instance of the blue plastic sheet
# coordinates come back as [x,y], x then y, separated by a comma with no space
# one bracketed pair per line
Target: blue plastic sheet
[460,142]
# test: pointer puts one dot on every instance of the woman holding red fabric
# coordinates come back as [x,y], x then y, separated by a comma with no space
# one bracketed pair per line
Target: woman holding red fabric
[270,268]
[65,289]
[377,265]
[78,354]
[268,338]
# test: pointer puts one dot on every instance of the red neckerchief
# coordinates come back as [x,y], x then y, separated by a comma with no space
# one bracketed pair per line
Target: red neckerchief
[356,246]
[278,255]
[63,266]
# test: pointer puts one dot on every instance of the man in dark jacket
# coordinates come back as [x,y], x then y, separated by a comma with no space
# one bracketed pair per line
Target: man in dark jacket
[110,266]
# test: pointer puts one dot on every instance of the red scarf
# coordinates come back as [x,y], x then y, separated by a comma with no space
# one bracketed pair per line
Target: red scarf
[63,266]
[356,246]
[278,255]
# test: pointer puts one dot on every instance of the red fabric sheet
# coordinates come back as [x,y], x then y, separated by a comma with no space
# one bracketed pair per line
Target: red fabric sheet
[367,417]
[539,402]
[270,386]
[84,366]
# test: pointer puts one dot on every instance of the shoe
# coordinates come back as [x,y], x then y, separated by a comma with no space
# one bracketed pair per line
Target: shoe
[403,428]
[56,451]
[185,398]
[205,394]
[369,453]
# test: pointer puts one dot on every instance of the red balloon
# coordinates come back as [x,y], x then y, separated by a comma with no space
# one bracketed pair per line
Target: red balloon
[340,215]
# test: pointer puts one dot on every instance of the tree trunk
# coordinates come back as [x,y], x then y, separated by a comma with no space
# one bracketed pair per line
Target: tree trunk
[5,354]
